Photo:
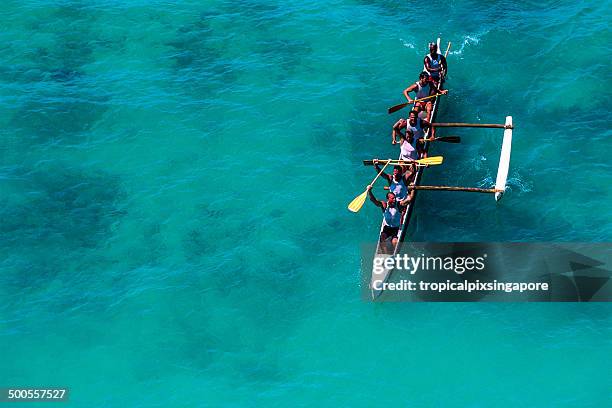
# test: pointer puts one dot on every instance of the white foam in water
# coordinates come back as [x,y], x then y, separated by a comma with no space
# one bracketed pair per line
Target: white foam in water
[487,182]
[517,181]
[406,44]
[468,40]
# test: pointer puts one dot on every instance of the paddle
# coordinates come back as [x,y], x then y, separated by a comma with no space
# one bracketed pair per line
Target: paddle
[357,203]
[403,105]
[447,139]
[430,161]
[446,55]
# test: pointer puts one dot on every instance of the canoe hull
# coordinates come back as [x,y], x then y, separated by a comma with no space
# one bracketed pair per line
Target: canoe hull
[378,277]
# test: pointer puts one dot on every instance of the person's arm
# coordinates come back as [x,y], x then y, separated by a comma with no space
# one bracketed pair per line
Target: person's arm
[408,90]
[407,175]
[373,199]
[429,67]
[378,169]
[426,63]
[427,125]
[396,131]
[444,66]
[436,90]
[420,145]
[407,199]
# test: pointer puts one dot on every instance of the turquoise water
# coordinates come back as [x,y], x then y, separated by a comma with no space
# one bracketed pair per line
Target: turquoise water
[174,184]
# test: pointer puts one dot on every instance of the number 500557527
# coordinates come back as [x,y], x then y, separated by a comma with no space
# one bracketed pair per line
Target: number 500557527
[33,394]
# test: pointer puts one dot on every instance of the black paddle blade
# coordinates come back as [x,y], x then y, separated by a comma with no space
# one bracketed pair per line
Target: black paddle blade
[449,139]
[397,107]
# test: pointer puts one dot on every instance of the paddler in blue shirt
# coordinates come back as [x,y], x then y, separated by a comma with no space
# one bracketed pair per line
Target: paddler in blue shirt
[399,182]
[392,219]
[435,64]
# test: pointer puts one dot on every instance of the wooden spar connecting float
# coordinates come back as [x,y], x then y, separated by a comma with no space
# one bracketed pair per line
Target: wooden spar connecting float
[502,170]
[388,249]
[452,188]
[475,125]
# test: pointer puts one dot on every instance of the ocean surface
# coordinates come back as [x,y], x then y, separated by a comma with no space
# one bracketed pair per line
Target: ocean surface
[174,179]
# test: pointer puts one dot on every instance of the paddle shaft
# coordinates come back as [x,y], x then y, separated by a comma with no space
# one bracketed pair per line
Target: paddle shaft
[425,98]
[446,55]
[403,105]
[380,172]
[476,125]
[358,201]
[395,163]
[403,162]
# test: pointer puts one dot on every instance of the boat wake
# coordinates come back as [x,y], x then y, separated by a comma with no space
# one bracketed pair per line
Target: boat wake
[487,182]
[516,183]
[521,185]
[468,40]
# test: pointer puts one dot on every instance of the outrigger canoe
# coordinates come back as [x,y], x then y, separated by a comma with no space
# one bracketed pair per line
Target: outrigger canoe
[379,277]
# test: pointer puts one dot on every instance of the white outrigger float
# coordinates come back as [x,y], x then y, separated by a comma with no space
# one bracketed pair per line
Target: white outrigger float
[504,160]
[381,274]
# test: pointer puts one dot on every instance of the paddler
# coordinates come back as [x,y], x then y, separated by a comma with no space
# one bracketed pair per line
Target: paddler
[419,126]
[410,147]
[414,124]
[398,182]
[434,64]
[424,87]
[392,218]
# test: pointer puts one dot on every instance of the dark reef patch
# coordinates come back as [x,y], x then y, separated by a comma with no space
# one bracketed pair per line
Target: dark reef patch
[55,116]
[200,48]
[58,100]
[199,59]
[287,54]
[59,214]
[196,245]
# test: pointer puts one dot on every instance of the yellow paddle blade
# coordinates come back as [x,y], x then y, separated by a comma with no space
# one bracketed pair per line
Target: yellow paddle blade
[357,203]
[431,160]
